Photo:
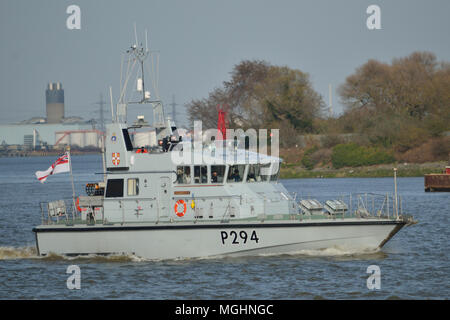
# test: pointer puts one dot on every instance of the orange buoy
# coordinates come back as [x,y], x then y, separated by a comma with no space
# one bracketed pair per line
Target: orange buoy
[179,202]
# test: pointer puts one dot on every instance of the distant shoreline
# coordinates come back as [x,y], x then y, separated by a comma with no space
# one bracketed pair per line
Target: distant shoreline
[376,171]
[291,171]
[24,154]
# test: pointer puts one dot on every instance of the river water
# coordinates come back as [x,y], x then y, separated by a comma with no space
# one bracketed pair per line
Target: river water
[413,265]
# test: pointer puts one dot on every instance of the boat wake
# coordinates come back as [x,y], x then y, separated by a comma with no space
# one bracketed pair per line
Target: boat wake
[12,253]
[18,253]
[93,258]
[337,252]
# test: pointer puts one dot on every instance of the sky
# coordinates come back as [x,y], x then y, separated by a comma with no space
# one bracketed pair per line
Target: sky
[199,42]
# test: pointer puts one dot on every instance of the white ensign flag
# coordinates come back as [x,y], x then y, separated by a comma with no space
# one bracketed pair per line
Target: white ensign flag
[60,165]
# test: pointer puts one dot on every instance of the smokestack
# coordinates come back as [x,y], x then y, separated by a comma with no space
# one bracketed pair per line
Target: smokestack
[54,97]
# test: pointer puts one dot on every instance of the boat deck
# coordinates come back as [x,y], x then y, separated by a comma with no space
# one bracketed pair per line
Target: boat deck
[279,218]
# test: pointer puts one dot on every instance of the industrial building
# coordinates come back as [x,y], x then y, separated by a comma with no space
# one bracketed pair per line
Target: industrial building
[34,135]
[54,97]
[52,132]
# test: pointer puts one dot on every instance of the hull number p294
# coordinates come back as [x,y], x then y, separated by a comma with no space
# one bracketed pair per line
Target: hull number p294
[241,237]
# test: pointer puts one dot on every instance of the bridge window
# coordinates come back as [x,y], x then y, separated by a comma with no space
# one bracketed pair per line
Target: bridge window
[184,174]
[114,188]
[200,174]
[275,171]
[217,174]
[126,138]
[258,172]
[236,173]
[133,187]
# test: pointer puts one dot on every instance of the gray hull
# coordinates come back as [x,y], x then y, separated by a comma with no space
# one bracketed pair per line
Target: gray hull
[171,241]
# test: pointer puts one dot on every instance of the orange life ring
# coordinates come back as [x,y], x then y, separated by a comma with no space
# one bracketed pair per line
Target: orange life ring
[180,214]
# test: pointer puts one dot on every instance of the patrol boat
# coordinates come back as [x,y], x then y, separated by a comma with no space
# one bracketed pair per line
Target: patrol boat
[154,207]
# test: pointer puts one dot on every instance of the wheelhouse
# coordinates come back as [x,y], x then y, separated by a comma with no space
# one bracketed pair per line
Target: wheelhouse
[229,173]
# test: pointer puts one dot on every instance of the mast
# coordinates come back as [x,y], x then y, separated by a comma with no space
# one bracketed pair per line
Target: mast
[140,54]
[71,177]
[143,82]
[137,55]
[112,106]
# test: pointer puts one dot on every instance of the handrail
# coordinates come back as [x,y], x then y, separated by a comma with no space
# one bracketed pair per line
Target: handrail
[52,211]
[207,197]
[130,199]
[227,209]
[368,205]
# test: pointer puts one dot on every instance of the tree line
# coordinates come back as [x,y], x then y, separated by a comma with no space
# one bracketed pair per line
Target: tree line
[395,107]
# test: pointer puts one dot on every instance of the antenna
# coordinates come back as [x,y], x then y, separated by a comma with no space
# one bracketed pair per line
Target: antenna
[137,54]
[146,41]
[140,55]
[112,106]
[135,35]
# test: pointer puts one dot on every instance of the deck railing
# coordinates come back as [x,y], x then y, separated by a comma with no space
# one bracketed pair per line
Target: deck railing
[60,211]
[359,205]
[366,205]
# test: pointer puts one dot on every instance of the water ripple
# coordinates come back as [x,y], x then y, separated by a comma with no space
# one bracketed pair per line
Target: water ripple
[414,264]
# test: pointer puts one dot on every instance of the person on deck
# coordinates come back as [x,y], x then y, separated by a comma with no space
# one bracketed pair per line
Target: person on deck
[214,177]
[236,176]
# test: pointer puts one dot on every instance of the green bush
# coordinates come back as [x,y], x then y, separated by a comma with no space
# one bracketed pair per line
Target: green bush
[307,161]
[353,155]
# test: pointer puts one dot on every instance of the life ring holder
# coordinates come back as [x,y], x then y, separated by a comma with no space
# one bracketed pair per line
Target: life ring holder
[77,204]
[179,202]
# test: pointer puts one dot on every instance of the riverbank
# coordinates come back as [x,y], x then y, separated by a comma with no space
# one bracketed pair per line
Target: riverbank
[296,171]
[40,153]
